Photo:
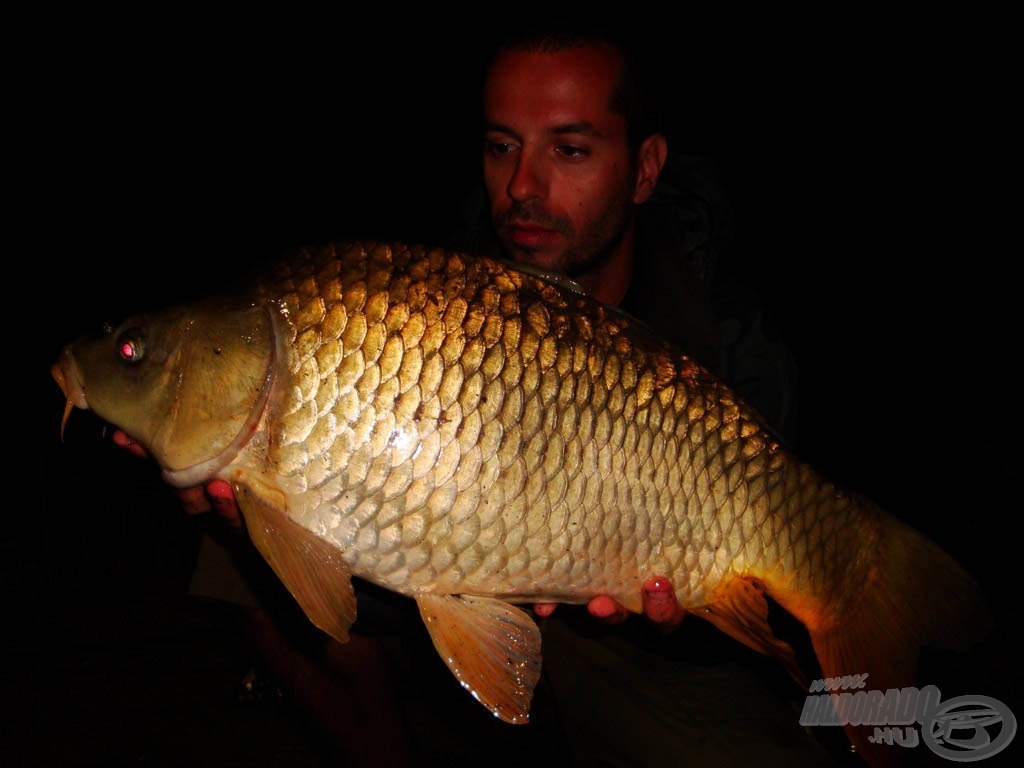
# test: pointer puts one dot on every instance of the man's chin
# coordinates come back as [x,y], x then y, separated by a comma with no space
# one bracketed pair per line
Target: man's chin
[532,254]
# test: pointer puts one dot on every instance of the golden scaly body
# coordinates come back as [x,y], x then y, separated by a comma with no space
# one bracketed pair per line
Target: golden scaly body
[461,428]
[471,435]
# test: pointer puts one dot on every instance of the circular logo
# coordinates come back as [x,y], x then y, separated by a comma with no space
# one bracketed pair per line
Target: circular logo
[969,728]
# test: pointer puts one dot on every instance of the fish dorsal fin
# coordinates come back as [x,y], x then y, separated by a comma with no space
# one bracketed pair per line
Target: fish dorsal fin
[741,611]
[312,568]
[491,647]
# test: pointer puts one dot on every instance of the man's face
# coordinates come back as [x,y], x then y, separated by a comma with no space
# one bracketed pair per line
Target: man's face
[557,167]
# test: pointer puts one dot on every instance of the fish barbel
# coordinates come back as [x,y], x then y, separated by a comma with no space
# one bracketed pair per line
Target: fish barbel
[473,436]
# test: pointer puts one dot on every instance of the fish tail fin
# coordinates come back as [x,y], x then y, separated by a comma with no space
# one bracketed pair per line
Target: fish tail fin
[915,595]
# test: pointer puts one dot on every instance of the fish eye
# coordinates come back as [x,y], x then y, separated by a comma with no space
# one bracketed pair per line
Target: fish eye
[131,345]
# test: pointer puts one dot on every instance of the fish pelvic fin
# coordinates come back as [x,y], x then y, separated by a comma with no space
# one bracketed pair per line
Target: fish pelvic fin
[492,648]
[740,610]
[915,595]
[312,569]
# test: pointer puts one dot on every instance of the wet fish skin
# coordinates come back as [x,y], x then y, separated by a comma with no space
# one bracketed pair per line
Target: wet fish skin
[473,436]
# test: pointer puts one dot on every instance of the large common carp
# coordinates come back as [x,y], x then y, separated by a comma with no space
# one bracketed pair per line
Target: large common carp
[475,436]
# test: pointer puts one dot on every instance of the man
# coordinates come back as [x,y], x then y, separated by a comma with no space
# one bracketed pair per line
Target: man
[573,167]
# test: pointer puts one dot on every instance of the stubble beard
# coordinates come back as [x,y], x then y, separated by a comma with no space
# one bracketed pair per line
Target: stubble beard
[587,251]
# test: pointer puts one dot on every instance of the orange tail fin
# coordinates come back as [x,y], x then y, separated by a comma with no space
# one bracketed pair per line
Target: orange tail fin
[915,596]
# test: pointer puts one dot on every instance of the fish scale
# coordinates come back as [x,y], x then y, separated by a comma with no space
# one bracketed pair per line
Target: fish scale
[473,435]
[561,545]
[707,443]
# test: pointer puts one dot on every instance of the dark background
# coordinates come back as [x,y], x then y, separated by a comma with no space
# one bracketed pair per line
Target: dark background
[868,165]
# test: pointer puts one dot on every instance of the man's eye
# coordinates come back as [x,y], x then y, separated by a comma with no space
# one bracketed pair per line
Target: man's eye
[572,152]
[498,148]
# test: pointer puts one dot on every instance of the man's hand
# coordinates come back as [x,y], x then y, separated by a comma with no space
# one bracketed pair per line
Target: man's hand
[215,495]
[659,601]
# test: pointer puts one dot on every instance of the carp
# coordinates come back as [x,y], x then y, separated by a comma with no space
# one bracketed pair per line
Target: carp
[475,436]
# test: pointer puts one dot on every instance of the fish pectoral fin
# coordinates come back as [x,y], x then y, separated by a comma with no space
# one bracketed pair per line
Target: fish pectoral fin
[741,611]
[492,648]
[312,569]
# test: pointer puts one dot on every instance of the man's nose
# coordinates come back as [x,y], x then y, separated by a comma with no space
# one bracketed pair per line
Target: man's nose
[527,179]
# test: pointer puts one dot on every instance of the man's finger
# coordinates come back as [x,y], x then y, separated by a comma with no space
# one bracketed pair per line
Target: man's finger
[224,502]
[121,439]
[660,604]
[607,609]
[194,501]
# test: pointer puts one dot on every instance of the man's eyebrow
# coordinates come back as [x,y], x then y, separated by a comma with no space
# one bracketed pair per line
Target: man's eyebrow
[497,128]
[583,128]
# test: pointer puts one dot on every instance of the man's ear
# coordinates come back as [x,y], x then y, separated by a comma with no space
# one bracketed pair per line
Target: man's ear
[652,155]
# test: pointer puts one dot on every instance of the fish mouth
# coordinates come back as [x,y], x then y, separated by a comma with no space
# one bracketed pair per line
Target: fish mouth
[65,372]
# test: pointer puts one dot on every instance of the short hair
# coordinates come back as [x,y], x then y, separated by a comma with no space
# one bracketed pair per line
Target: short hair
[635,95]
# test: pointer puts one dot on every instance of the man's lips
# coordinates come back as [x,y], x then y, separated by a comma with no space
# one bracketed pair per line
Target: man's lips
[530,234]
